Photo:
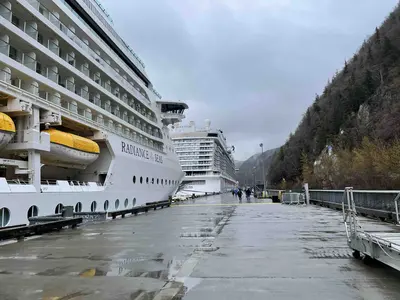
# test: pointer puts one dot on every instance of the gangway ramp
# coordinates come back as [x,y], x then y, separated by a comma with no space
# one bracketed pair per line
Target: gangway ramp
[373,239]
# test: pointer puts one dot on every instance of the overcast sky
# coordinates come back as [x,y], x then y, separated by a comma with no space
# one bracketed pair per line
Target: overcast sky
[250,66]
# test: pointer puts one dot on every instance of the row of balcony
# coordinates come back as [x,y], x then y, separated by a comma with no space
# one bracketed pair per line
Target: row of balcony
[191,168]
[85,113]
[30,61]
[119,80]
[134,55]
[90,5]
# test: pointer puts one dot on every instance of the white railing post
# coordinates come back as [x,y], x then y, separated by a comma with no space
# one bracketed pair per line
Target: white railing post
[397,208]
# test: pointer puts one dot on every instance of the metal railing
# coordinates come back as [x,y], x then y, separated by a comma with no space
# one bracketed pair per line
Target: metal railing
[31,31]
[5,12]
[5,76]
[18,181]
[374,199]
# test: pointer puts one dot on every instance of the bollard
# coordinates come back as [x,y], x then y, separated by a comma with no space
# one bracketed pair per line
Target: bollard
[307,194]
[68,212]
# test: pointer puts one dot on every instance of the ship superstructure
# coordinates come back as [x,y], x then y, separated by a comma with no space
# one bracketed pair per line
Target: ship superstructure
[205,158]
[80,122]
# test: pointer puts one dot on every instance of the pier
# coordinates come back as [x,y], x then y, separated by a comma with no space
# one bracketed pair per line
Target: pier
[207,248]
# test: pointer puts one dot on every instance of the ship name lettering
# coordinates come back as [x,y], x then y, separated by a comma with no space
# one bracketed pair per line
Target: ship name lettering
[140,152]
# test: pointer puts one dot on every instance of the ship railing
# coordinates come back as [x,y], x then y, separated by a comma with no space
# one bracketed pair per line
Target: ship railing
[52,75]
[135,90]
[49,181]
[31,31]
[70,182]
[18,181]
[5,12]
[5,75]
[4,47]
[77,183]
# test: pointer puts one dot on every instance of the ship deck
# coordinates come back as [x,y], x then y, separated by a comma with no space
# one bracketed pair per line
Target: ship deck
[207,248]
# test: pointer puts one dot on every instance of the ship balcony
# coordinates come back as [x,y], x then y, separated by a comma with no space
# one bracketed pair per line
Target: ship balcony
[41,65]
[107,65]
[65,51]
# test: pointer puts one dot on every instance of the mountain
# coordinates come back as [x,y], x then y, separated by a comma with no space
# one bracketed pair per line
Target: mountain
[238,163]
[359,103]
[251,170]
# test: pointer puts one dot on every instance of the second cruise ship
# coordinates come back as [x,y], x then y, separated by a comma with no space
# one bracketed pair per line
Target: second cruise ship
[205,158]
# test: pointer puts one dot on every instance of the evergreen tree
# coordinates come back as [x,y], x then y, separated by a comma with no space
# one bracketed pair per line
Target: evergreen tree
[369,84]
[308,117]
[369,54]
[377,34]
[281,154]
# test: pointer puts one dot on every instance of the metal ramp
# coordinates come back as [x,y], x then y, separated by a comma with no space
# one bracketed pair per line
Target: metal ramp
[383,246]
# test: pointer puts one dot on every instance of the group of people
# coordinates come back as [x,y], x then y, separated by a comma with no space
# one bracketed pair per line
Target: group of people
[238,192]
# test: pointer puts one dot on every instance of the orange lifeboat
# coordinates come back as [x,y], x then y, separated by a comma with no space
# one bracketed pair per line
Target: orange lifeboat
[7,129]
[68,148]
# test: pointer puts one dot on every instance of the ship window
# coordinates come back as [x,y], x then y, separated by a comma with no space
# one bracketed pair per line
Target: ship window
[78,207]
[169,182]
[152,181]
[59,208]
[33,211]
[93,206]
[134,179]
[116,204]
[162,181]
[147,180]
[106,205]
[4,216]
[134,202]
[158,180]
[126,202]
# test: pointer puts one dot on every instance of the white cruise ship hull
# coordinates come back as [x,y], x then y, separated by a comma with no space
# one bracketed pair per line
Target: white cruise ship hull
[118,189]
[202,185]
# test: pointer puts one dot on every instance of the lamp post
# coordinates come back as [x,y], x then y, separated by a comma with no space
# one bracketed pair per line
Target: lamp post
[262,162]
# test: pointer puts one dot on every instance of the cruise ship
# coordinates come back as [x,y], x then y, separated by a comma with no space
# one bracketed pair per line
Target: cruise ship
[205,158]
[80,122]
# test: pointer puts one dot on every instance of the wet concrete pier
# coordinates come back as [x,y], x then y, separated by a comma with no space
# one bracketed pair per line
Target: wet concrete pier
[211,248]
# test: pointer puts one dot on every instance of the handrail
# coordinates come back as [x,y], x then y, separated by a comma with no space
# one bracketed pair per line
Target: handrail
[360,191]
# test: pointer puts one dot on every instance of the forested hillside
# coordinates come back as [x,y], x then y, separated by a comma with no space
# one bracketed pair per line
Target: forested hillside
[251,169]
[361,102]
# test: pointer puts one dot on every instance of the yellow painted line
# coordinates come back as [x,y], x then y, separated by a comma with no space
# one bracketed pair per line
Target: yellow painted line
[221,204]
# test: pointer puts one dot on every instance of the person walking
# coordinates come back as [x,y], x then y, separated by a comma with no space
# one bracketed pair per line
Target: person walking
[248,194]
[240,195]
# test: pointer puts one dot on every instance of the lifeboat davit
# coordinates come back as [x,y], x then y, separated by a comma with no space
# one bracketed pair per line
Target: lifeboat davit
[7,130]
[68,149]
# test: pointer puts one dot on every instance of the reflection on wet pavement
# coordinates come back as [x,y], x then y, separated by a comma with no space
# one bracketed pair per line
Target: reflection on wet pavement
[207,248]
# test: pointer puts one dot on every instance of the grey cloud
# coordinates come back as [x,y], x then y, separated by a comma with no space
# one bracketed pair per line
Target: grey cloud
[251,69]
